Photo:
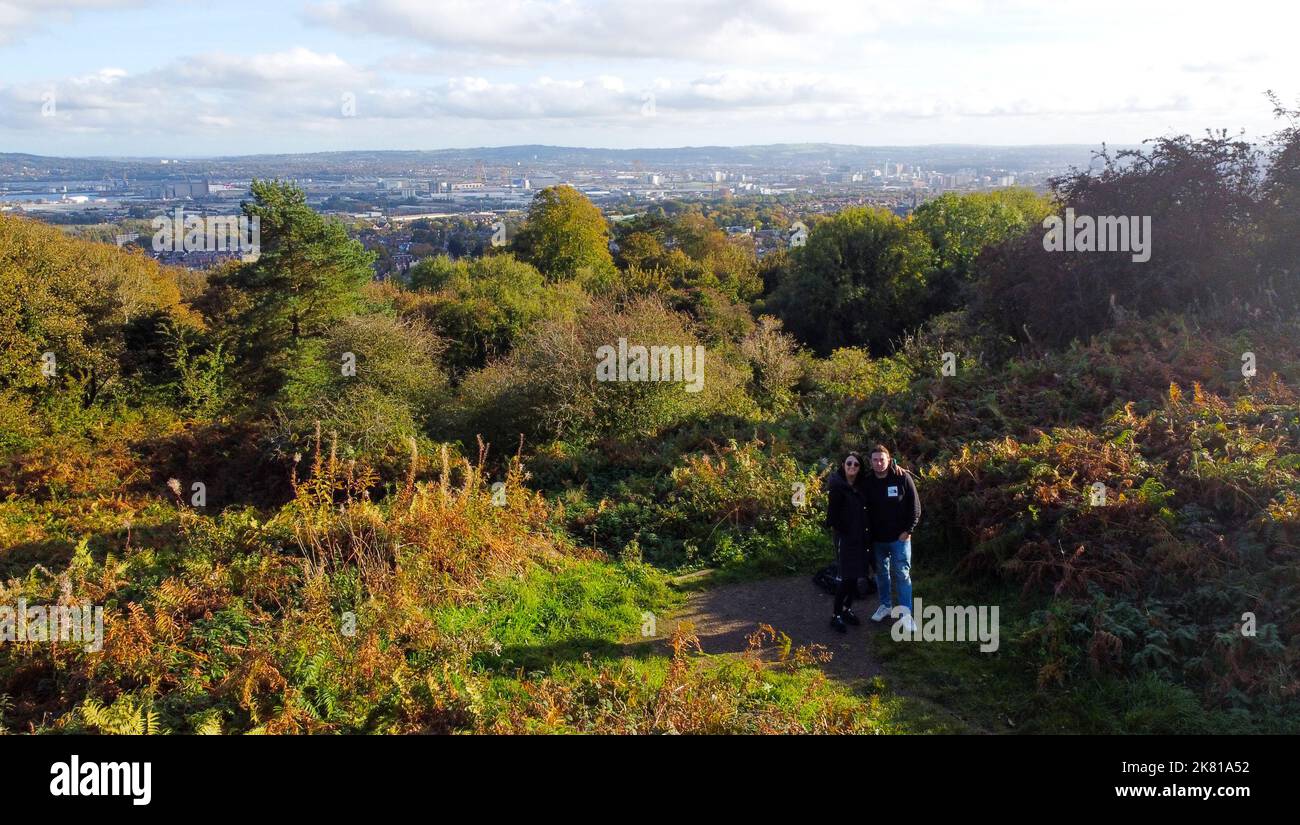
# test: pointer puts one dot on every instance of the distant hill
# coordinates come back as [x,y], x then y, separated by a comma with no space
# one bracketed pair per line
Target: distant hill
[791,156]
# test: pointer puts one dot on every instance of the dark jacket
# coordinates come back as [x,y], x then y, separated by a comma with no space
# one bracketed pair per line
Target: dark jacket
[846,515]
[893,505]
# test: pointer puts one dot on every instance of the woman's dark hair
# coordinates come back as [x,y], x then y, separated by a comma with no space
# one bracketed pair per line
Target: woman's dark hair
[852,454]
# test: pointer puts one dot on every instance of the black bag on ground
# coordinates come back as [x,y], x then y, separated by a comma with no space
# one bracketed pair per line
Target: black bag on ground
[828,579]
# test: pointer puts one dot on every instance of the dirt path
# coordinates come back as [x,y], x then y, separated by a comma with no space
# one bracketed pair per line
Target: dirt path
[725,616]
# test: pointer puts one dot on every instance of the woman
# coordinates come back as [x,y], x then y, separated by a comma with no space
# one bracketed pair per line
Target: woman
[847,516]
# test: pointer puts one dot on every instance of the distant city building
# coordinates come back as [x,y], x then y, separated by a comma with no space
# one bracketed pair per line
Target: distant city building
[183,189]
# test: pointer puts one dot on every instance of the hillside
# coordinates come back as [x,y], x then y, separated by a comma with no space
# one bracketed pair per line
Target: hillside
[309,502]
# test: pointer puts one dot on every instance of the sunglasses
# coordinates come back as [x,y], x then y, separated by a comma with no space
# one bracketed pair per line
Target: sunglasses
[851,464]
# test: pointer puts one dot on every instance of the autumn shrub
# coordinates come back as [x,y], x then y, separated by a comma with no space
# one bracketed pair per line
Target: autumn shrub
[748,507]
[774,364]
[375,381]
[76,300]
[693,694]
[1158,532]
[481,307]
[244,616]
[850,372]
[547,387]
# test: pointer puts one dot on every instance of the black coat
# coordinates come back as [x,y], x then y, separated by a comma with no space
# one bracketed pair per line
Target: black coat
[893,503]
[846,515]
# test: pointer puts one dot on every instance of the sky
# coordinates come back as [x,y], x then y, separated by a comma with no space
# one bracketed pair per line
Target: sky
[231,77]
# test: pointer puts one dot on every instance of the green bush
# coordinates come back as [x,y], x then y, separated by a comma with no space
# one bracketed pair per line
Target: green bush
[548,388]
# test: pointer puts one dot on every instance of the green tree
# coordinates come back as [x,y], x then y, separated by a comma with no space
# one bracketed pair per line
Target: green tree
[482,305]
[859,279]
[960,227]
[565,235]
[307,278]
[640,249]
[1280,218]
[1202,195]
[548,385]
[95,308]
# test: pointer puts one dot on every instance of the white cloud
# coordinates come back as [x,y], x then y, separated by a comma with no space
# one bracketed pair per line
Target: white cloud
[281,71]
[20,17]
[275,90]
[516,71]
[694,30]
[301,90]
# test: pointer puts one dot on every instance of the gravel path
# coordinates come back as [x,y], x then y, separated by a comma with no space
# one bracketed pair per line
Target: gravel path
[726,615]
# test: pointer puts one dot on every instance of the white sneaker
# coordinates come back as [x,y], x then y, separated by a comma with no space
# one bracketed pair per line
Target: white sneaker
[881,614]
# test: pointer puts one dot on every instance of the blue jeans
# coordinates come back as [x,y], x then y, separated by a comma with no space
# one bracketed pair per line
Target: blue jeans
[894,557]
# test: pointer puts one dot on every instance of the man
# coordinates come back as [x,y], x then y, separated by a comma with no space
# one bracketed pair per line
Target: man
[893,511]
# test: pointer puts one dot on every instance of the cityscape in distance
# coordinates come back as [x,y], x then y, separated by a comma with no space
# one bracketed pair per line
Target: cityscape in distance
[387,194]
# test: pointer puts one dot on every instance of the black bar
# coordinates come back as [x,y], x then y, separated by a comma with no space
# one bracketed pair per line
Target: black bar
[231,775]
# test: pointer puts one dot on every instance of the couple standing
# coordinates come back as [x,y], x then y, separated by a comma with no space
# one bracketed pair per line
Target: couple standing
[880,505]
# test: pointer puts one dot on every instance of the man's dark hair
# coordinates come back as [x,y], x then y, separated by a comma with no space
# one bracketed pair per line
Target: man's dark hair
[880,448]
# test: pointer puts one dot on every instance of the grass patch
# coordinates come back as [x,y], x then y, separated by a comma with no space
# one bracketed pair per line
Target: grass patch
[686,693]
[985,691]
[998,692]
[543,617]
